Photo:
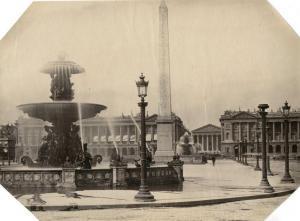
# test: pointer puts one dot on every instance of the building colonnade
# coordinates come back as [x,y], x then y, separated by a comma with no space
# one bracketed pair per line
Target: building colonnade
[208,143]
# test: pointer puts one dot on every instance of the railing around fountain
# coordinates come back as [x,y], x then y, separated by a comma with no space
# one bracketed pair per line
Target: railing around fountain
[155,176]
[94,178]
[105,178]
[30,178]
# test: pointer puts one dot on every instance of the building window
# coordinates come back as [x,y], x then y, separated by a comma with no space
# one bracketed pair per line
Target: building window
[124,151]
[109,152]
[270,149]
[259,149]
[227,135]
[131,151]
[294,148]
[278,149]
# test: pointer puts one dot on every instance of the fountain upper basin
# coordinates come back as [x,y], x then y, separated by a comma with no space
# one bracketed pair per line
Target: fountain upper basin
[61,110]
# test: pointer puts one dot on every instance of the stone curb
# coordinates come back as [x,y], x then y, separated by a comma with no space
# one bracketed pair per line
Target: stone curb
[155,204]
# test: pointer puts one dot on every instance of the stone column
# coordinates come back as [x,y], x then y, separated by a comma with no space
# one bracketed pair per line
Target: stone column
[207,142]
[212,142]
[98,132]
[248,131]
[240,132]
[152,132]
[128,134]
[217,141]
[281,130]
[298,130]
[222,133]
[136,134]
[105,133]
[232,136]
[274,132]
[119,173]
[202,142]
[68,178]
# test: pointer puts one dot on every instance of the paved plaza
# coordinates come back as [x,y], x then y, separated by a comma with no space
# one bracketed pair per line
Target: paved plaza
[252,210]
[228,179]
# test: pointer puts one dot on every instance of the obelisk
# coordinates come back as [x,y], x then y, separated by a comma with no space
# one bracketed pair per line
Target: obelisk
[165,138]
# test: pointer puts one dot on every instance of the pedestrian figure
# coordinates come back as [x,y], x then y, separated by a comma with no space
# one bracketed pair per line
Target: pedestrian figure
[87,158]
[213,159]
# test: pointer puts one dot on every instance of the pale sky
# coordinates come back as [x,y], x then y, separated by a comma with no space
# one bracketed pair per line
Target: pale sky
[224,55]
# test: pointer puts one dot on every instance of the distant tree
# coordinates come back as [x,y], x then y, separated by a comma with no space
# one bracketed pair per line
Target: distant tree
[8,131]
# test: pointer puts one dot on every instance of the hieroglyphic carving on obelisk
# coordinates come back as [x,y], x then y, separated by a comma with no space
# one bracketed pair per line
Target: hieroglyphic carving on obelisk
[164,63]
[165,135]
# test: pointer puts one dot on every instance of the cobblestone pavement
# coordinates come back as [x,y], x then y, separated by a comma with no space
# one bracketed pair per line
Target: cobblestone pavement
[251,210]
[228,178]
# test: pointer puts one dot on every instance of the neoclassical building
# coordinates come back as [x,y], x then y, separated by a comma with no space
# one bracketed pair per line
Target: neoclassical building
[207,138]
[101,134]
[237,126]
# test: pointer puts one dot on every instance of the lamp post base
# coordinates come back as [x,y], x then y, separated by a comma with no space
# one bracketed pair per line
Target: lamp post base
[257,169]
[266,187]
[287,179]
[144,195]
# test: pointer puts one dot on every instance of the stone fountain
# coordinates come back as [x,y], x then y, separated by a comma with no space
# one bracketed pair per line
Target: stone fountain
[62,142]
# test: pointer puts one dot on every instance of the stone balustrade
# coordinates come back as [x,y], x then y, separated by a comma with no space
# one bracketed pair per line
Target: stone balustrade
[115,177]
[93,178]
[30,178]
[155,176]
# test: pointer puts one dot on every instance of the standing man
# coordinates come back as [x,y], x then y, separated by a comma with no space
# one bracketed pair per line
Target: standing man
[213,159]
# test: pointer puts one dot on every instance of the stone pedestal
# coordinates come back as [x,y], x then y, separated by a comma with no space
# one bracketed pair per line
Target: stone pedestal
[165,146]
[119,180]
[177,164]
[68,178]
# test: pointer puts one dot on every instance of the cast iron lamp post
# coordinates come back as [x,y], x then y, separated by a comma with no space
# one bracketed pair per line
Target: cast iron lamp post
[264,181]
[245,151]
[287,177]
[144,192]
[257,147]
[269,172]
[239,152]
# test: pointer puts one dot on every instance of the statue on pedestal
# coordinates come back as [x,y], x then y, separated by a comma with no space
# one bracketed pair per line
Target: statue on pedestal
[184,147]
[87,158]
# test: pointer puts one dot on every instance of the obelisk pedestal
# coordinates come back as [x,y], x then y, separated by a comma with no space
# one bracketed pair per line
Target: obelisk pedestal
[165,144]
